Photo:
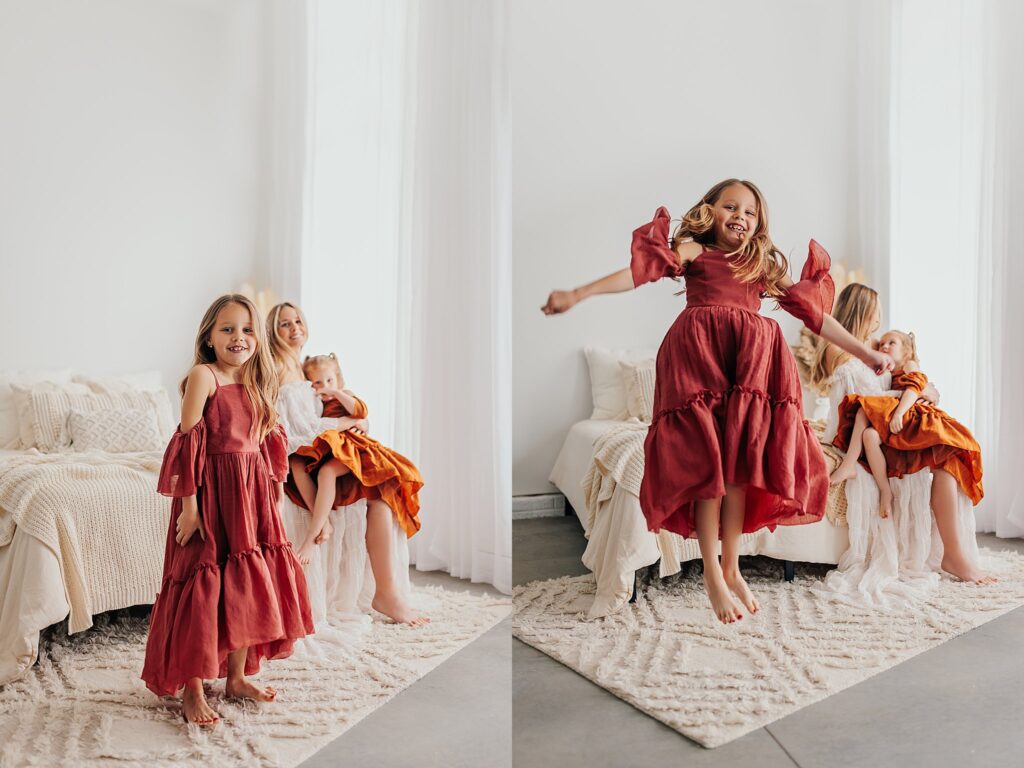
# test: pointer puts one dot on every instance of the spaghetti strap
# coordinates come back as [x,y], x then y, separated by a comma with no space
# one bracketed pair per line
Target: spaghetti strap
[216,381]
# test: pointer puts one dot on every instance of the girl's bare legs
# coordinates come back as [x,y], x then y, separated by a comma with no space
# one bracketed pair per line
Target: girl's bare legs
[237,687]
[194,705]
[326,476]
[307,490]
[733,507]
[847,470]
[386,597]
[944,507]
[873,452]
[707,514]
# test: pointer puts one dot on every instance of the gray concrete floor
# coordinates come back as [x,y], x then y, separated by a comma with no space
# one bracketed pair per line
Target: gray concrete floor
[457,716]
[959,705]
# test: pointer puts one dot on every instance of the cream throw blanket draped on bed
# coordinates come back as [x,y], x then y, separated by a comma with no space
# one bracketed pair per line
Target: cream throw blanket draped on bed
[100,515]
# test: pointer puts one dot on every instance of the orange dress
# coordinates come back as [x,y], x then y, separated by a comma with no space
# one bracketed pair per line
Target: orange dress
[929,438]
[375,471]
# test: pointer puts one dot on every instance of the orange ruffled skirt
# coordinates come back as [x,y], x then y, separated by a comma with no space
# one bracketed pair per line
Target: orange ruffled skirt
[375,472]
[929,438]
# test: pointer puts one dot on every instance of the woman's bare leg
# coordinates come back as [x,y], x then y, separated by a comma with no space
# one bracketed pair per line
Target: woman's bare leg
[876,460]
[386,597]
[237,687]
[194,706]
[707,516]
[944,507]
[733,509]
[847,470]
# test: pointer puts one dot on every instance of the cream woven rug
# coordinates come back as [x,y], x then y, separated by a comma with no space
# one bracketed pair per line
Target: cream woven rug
[84,705]
[667,655]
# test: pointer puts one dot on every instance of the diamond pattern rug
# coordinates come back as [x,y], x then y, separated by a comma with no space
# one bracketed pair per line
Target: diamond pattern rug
[667,655]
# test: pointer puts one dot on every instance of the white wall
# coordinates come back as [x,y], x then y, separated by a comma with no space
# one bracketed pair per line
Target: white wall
[132,182]
[620,107]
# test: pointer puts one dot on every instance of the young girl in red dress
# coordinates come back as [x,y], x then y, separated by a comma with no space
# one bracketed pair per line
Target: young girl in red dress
[233,592]
[728,451]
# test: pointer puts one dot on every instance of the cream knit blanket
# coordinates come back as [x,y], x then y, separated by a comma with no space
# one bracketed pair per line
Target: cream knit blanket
[618,460]
[100,514]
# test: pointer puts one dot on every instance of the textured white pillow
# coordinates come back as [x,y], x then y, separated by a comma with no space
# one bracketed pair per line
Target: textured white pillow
[9,437]
[639,382]
[45,423]
[144,381]
[125,430]
[28,427]
[606,385]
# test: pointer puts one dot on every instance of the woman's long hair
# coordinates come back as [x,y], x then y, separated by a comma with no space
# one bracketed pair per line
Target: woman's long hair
[758,258]
[257,374]
[854,310]
[279,348]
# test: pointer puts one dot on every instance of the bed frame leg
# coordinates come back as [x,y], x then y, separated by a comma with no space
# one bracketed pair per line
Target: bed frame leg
[632,598]
[788,570]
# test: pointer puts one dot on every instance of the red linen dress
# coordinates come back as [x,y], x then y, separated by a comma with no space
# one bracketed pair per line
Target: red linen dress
[243,585]
[727,399]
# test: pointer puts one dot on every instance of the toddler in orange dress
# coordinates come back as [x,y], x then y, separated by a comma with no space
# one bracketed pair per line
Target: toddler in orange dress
[902,435]
[342,466]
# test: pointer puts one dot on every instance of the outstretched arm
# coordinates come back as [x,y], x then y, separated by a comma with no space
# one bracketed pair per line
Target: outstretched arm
[561,301]
[834,333]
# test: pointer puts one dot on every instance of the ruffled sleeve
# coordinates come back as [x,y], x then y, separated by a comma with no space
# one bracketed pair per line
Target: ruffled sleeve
[182,470]
[275,453]
[652,258]
[915,380]
[811,298]
[333,409]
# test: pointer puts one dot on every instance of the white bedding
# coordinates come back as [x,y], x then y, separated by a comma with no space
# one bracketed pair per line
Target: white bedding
[619,542]
[81,534]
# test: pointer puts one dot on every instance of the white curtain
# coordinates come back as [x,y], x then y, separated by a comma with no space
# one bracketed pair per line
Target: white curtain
[955,274]
[1000,303]
[400,246]
[455,281]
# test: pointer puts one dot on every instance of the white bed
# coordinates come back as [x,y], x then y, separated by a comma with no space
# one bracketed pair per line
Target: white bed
[619,542]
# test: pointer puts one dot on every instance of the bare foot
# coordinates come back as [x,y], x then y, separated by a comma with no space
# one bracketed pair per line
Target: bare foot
[739,587]
[842,472]
[396,609]
[194,707]
[721,601]
[884,502]
[305,553]
[243,689]
[961,568]
[325,533]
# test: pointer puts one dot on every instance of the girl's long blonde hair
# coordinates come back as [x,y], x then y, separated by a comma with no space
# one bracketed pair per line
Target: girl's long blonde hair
[279,348]
[855,310]
[758,258]
[257,374]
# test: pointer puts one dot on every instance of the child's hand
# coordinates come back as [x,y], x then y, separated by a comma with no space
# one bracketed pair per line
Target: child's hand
[896,423]
[879,362]
[188,522]
[559,302]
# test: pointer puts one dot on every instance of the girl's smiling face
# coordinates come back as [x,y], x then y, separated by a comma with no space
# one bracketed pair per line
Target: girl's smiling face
[233,337]
[291,328]
[892,345]
[736,216]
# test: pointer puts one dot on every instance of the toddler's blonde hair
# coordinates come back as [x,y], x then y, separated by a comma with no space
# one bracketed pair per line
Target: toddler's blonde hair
[758,258]
[257,373]
[317,362]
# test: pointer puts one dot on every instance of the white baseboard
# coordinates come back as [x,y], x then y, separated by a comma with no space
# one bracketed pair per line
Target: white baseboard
[538,505]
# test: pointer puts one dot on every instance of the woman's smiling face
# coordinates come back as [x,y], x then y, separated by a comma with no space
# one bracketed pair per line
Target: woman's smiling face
[291,328]
[736,216]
